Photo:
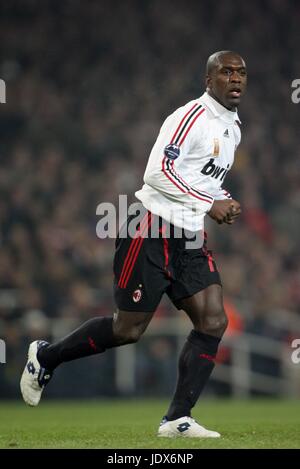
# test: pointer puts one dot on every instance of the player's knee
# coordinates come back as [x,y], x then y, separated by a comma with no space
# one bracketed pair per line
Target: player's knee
[133,335]
[215,322]
[127,336]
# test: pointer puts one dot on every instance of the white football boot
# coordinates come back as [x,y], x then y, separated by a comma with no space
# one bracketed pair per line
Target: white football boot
[185,427]
[34,377]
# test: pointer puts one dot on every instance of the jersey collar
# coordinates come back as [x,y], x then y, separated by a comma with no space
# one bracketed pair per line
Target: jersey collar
[218,110]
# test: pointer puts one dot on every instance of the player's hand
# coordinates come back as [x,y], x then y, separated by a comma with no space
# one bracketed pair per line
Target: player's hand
[235,211]
[225,211]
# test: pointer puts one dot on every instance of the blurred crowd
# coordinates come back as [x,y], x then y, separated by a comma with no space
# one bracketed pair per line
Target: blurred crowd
[88,86]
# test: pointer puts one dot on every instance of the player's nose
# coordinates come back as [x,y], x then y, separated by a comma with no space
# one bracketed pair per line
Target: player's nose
[235,77]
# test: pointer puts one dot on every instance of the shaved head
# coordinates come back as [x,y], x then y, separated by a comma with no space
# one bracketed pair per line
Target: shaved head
[226,78]
[214,60]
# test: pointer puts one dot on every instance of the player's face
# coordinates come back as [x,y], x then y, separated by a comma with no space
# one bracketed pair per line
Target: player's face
[228,80]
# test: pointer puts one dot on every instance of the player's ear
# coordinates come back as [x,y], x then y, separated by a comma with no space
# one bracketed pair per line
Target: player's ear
[208,81]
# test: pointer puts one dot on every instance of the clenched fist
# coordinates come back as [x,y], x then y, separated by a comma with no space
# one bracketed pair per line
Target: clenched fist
[225,211]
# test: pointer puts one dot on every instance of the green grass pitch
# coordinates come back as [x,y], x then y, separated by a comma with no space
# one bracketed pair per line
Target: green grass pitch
[133,424]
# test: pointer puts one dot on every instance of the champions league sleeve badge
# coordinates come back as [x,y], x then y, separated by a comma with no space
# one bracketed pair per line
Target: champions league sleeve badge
[172,151]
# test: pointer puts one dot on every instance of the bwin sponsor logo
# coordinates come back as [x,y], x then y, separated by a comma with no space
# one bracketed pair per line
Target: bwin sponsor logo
[211,169]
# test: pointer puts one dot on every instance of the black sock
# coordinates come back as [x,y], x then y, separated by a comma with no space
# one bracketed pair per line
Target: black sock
[94,336]
[196,363]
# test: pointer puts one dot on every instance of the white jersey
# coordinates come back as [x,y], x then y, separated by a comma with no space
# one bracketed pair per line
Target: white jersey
[189,161]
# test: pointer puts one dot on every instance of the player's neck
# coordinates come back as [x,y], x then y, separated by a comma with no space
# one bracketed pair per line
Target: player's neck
[211,94]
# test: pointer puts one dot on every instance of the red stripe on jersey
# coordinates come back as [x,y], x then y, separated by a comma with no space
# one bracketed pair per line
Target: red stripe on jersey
[202,193]
[200,198]
[190,126]
[185,191]
[172,175]
[177,130]
[169,173]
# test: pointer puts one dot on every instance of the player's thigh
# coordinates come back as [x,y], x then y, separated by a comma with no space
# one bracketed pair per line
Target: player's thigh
[204,304]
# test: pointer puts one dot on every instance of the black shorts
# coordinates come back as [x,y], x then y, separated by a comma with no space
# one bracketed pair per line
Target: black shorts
[146,267]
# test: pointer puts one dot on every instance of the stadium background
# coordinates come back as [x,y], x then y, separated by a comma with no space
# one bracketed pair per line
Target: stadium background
[88,85]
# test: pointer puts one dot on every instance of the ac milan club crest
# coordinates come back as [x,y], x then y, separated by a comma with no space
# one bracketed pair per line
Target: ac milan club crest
[137,295]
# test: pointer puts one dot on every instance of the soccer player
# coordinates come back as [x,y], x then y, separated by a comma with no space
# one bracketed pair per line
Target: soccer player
[183,183]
